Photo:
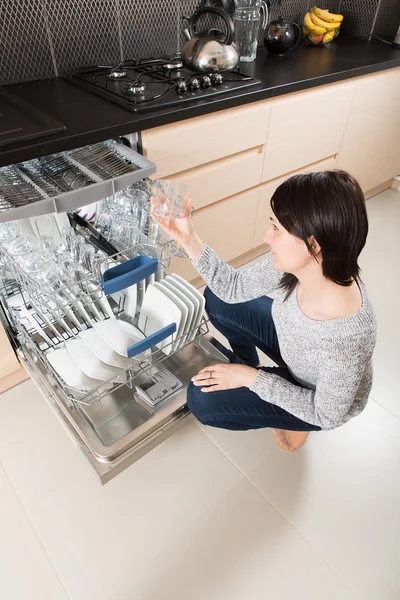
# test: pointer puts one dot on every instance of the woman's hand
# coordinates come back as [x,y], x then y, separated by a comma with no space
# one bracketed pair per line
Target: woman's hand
[224,377]
[182,230]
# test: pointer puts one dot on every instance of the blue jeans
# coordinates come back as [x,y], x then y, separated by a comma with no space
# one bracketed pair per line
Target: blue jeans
[247,326]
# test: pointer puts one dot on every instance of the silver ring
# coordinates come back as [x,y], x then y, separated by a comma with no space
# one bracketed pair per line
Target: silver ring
[210,374]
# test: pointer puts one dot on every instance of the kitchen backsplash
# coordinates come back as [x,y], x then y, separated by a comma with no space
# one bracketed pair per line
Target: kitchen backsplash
[47,38]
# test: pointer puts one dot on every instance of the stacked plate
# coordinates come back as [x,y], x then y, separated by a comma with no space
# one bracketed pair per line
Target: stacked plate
[172,300]
[96,355]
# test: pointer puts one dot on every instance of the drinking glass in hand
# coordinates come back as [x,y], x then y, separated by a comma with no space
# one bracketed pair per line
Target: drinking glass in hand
[169,196]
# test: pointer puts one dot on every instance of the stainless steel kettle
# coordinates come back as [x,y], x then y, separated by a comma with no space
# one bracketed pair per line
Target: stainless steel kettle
[210,51]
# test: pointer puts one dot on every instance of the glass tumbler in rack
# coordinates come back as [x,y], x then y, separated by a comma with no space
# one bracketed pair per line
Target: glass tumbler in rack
[22,246]
[9,231]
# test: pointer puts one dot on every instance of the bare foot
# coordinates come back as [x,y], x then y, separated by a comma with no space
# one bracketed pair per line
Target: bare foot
[289,441]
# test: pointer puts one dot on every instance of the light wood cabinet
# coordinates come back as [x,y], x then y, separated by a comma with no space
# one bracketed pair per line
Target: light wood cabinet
[267,190]
[227,227]
[234,160]
[306,127]
[223,178]
[181,146]
[371,145]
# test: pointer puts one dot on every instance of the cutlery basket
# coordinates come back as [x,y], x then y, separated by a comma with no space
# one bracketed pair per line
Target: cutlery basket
[68,180]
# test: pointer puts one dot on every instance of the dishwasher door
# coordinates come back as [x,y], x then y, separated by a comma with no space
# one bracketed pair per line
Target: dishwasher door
[117,433]
[113,425]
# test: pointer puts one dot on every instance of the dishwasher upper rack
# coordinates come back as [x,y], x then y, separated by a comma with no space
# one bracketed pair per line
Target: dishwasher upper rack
[92,176]
[88,289]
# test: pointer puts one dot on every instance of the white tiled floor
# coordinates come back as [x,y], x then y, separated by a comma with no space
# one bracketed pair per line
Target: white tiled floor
[210,513]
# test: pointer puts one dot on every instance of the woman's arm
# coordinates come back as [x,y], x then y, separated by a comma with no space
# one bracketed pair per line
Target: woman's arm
[233,285]
[344,379]
[229,284]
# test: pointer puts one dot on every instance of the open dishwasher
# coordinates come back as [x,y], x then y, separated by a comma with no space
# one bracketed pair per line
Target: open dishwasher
[142,400]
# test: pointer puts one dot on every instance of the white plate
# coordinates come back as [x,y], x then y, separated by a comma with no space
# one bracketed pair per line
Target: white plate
[63,363]
[198,295]
[103,350]
[194,300]
[158,312]
[119,335]
[169,283]
[165,289]
[90,364]
[130,304]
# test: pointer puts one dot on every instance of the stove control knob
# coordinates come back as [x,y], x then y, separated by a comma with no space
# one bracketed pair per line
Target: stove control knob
[206,81]
[216,78]
[181,87]
[194,84]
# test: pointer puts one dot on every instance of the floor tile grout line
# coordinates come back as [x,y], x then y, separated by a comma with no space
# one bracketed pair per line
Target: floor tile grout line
[385,407]
[2,465]
[279,512]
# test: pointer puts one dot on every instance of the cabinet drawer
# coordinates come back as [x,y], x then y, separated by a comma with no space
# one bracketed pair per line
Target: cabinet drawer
[266,192]
[181,146]
[223,178]
[306,127]
[370,149]
[227,227]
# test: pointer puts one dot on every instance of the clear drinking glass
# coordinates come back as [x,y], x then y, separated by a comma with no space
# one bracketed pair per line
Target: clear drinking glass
[9,231]
[138,200]
[37,262]
[247,19]
[46,226]
[169,197]
[22,246]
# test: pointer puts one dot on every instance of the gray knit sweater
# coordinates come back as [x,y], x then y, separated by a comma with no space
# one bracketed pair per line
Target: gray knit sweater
[331,359]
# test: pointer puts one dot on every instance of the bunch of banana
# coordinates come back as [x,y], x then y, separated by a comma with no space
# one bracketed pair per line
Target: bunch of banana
[320,25]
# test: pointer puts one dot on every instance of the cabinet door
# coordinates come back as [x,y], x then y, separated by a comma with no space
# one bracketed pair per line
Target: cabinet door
[181,146]
[370,149]
[266,192]
[8,360]
[228,227]
[306,127]
[223,178]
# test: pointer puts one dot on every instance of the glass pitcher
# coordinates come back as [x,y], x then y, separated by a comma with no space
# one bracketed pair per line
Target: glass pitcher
[247,17]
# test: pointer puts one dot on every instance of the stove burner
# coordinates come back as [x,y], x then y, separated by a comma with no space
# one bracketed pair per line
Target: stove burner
[172,65]
[159,83]
[117,74]
[137,89]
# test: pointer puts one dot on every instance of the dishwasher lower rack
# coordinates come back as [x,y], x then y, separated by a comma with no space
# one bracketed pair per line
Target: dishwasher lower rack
[141,367]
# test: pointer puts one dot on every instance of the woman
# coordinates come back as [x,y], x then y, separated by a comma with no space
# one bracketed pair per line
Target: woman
[320,329]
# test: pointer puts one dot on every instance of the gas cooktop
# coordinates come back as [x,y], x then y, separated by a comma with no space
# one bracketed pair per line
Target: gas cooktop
[154,83]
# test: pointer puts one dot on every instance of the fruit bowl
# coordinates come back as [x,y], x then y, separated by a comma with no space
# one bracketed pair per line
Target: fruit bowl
[321,27]
[320,39]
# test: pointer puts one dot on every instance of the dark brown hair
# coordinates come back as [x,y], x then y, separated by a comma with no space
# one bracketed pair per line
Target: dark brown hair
[330,206]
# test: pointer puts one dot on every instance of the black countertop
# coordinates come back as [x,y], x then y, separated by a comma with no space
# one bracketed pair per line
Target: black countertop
[89,118]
